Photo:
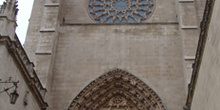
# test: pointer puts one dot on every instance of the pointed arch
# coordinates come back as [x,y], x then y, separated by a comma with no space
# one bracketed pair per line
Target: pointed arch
[114,84]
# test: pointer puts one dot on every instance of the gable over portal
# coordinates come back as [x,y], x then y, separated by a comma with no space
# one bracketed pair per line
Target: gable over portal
[117,89]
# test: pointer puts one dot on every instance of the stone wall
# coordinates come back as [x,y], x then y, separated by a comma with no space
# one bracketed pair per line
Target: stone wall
[14,63]
[150,52]
[33,29]
[74,50]
[200,7]
[206,95]
[42,36]
[8,68]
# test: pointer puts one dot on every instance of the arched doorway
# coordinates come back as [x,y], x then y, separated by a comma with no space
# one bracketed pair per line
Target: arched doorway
[117,90]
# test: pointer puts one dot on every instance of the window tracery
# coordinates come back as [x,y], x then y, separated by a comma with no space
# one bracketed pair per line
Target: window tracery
[120,11]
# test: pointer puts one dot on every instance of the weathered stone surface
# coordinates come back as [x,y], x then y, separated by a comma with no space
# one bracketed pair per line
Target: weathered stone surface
[16,70]
[206,95]
[74,50]
[76,12]
[150,52]
[16,67]
[115,89]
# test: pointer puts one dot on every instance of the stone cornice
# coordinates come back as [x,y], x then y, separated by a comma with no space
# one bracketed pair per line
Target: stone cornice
[121,24]
[200,49]
[26,67]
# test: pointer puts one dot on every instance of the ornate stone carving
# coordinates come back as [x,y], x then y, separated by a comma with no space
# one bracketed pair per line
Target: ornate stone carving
[28,73]
[117,101]
[117,88]
[120,11]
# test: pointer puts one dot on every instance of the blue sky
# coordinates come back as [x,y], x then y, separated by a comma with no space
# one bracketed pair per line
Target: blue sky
[25,7]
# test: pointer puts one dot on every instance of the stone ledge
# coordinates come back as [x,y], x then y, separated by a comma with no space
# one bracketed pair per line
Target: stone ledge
[47,30]
[52,5]
[189,27]
[42,53]
[148,23]
[186,1]
[189,57]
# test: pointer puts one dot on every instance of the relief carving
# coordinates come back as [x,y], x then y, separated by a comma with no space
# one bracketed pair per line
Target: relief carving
[117,89]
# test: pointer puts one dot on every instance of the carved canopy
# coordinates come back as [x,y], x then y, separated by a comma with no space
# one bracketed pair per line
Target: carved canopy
[117,89]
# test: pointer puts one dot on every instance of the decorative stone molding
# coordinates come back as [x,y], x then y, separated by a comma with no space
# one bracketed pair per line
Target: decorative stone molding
[186,1]
[9,8]
[189,57]
[110,24]
[20,57]
[52,5]
[48,30]
[189,27]
[117,88]
[120,11]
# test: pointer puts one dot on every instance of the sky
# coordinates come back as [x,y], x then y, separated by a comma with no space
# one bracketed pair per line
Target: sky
[25,7]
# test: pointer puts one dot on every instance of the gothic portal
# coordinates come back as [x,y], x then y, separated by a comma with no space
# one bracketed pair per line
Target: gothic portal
[74,42]
[117,90]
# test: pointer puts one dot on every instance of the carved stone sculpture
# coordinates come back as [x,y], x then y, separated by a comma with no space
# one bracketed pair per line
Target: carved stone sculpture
[117,89]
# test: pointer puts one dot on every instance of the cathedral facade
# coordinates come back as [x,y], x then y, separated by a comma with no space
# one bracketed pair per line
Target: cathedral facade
[110,54]
[114,54]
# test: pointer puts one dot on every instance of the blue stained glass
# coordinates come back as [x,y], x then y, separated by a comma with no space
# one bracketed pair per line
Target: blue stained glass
[133,7]
[137,17]
[120,14]
[98,21]
[152,7]
[92,15]
[133,1]
[116,20]
[108,1]
[91,1]
[90,8]
[148,14]
[100,12]
[98,7]
[98,2]
[131,20]
[107,7]
[103,17]
[121,5]
[151,1]
[142,20]
[109,20]
[141,12]
[143,1]
[112,12]
[123,20]
[128,12]
[123,11]
[143,7]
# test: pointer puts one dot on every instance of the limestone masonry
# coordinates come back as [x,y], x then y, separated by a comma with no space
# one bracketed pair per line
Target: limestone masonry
[114,54]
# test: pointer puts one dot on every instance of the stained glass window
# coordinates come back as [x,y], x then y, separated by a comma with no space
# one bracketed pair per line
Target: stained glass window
[120,11]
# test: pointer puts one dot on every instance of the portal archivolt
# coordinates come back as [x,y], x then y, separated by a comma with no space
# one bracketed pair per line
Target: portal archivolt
[117,90]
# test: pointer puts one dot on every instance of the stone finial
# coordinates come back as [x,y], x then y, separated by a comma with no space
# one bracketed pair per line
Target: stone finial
[9,9]
[8,14]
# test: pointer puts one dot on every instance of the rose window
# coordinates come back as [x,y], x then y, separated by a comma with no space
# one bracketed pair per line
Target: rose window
[120,11]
